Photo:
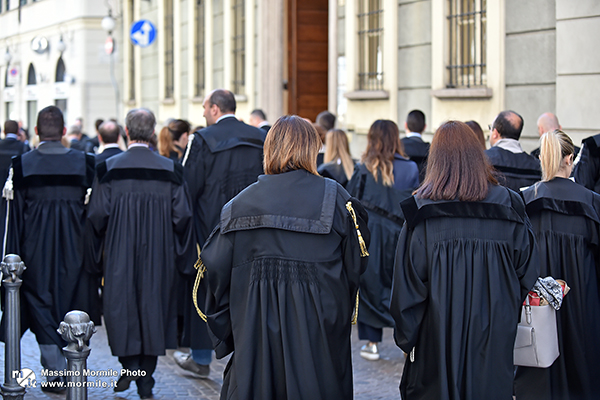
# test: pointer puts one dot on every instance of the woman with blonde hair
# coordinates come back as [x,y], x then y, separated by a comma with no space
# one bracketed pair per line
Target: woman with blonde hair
[337,164]
[173,138]
[566,220]
[384,178]
[283,270]
[465,261]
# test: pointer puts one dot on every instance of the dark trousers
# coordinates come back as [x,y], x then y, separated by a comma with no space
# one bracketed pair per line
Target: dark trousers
[367,332]
[141,363]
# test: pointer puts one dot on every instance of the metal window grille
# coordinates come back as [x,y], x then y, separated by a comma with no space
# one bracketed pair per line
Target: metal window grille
[239,47]
[370,40]
[199,50]
[467,33]
[169,50]
[132,56]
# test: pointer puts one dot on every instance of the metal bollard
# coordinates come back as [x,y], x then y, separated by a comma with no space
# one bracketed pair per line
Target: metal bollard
[12,268]
[76,329]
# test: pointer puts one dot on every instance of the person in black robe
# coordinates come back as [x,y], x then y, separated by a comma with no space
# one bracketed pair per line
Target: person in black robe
[466,259]
[337,162]
[173,138]
[220,161]
[139,230]
[516,168]
[45,229]
[282,270]
[9,146]
[566,220]
[108,132]
[415,147]
[587,165]
[383,180]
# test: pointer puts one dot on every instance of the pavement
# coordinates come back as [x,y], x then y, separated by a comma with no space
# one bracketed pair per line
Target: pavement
[373,380]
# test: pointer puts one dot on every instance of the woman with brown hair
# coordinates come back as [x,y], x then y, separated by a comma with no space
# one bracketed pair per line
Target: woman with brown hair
[466,259]
[337,164]
[283,270]
[173,138]
[383,179]
[566,220]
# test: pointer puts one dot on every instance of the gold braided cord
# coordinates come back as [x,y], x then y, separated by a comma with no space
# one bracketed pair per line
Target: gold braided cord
[355,314]
[361,241]
[199,265]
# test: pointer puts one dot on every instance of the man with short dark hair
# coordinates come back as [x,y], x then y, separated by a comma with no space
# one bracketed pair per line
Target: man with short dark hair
[518,169]
[139,230]
[108,134]
[326,120]
[258,119]
[415,148]
[220,161]
[46,222]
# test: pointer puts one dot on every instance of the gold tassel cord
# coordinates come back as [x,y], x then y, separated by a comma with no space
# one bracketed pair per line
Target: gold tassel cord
[355,314]
[361,241]
[199,265]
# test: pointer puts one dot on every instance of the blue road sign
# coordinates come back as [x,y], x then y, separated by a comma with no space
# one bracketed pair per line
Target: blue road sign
[143,33]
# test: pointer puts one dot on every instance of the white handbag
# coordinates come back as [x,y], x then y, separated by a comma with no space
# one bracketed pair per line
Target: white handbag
[536,344]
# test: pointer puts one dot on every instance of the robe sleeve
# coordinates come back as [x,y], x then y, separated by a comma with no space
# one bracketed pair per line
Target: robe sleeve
[409,289]
[526,256]
[355,263]
[95,226]
[217,256]
[13,227]
[587,167]
[185,242]
[193,169]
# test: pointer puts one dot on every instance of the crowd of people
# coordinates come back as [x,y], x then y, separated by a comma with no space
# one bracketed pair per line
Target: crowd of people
[268,241]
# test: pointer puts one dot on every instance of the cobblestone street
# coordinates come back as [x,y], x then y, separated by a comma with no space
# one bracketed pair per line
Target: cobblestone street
[372,380]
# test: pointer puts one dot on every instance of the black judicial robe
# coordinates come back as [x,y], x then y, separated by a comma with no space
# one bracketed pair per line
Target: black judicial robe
[46,225]
[385,223]
[517,170]
[461,273]
[587,167]
[283,270]
[139,230]
[566,220]
[334,171]
[222,160]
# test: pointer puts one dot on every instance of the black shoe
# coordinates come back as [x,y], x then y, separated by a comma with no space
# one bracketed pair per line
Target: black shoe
[146,396]
[124,382]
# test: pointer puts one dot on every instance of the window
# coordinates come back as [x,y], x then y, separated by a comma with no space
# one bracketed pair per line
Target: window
[238,46]
[60,70]
[23,2]
[169,50]
[370,41]
[199,49]
[467,34]
[31,80]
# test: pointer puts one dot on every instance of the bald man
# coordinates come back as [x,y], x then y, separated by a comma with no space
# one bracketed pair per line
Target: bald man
[548,122]
[518,169]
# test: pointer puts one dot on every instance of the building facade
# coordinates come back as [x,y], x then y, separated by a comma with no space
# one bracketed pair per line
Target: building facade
[361,59]
[53,54]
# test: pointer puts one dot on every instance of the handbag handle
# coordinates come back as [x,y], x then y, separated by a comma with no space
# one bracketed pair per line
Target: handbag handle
[527,310]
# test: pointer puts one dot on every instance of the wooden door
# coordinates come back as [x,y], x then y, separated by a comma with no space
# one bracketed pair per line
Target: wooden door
[307,57]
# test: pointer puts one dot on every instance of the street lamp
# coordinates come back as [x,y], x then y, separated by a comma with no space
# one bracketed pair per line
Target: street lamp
[108,23]
[7,56]
[61,45]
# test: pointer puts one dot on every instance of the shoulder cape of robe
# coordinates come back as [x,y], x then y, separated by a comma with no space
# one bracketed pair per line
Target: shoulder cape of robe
[516,170]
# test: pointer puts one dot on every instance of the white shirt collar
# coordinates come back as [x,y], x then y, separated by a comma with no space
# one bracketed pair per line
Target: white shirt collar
[11,136]
[138,145]
[112,145]
[511,145]
[225,116]
[264,123]
[413,134]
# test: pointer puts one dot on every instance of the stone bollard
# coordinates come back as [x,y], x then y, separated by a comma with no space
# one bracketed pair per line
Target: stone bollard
[12,268]
[76,329]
